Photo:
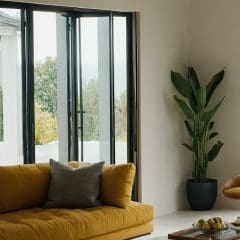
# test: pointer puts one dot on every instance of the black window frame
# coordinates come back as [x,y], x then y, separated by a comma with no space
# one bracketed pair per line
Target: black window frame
[28,79]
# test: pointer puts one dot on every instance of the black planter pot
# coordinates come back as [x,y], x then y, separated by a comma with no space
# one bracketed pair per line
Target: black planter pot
[202,195]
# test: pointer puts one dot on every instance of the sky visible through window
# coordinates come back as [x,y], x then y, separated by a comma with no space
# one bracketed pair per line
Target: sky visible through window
[46,45]
[12,12]
[89,39]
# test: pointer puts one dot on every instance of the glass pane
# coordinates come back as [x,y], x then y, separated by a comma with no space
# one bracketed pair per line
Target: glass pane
[94,34]
[120,88]
[10,88]
[45,70]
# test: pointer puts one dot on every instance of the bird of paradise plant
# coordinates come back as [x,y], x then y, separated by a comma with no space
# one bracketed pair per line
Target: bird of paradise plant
[198,121]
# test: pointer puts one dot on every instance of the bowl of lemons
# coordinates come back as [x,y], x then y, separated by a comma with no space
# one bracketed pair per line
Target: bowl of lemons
[213,227]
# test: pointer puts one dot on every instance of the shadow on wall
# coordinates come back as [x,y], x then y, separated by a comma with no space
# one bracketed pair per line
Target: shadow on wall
[182,166]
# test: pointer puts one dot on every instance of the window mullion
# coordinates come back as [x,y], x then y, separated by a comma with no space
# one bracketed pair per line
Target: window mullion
[81,110]
[72,86]
[132,97]
[112,98]
[24,86]
[28,86]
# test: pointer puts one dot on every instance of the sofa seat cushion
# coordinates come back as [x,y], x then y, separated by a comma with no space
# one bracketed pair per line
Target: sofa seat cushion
[71,224]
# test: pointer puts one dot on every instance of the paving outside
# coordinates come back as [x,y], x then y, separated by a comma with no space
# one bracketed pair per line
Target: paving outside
[91,152]
[90,148]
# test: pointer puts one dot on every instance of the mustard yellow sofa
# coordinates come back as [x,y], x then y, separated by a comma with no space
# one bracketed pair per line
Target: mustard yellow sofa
[23,190]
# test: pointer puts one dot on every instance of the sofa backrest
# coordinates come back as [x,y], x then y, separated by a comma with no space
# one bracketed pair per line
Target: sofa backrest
[26,186]
[23,186]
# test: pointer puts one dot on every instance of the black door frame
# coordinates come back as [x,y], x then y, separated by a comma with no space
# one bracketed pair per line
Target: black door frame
[72,89]
[28,86]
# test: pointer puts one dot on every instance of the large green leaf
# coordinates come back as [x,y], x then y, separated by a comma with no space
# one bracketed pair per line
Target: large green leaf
[212,135]
[188,147]
[182,85]
[184,107]
[213,84]
[201,97]
[194,106]
[214,151]
[195,146]
[193,76]
[208,115]
[211,125]
[190,131]
[193,79]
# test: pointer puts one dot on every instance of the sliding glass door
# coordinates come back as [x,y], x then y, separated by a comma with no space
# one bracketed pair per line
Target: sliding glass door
[45,86]
[120,88]
[85,44]
[67,85]
[50,88]
[94,89]
[103,90]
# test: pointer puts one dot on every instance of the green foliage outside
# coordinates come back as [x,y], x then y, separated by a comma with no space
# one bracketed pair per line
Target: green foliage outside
[45,126]
[91,115]
[121,117]
[91,108]
[46,101]
[46,106]
[46,85]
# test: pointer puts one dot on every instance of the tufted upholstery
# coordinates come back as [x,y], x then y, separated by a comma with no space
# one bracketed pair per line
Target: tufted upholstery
[74,224]
[24,188]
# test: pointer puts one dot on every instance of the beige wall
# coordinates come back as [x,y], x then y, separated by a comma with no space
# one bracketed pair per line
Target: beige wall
[165,165]
[214,43]
[205,34]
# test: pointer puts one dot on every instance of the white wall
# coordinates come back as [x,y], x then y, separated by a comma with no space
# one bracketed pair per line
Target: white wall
[11,146]
[165,164]
[214,43]
[174,33]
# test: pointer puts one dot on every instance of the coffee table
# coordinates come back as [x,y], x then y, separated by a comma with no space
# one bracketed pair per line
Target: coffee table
[195,234]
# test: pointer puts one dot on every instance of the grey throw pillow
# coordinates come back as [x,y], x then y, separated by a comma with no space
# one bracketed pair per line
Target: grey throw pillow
[74,187]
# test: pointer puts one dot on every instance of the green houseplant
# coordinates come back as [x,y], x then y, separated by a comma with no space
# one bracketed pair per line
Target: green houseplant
[199,125]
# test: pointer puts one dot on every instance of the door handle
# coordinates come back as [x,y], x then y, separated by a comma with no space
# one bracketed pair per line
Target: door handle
[81,111]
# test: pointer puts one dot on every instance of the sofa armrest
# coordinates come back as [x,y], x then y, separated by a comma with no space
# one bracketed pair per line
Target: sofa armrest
[231,183]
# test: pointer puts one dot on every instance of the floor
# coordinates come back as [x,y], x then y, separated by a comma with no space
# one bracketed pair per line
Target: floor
[184,219]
